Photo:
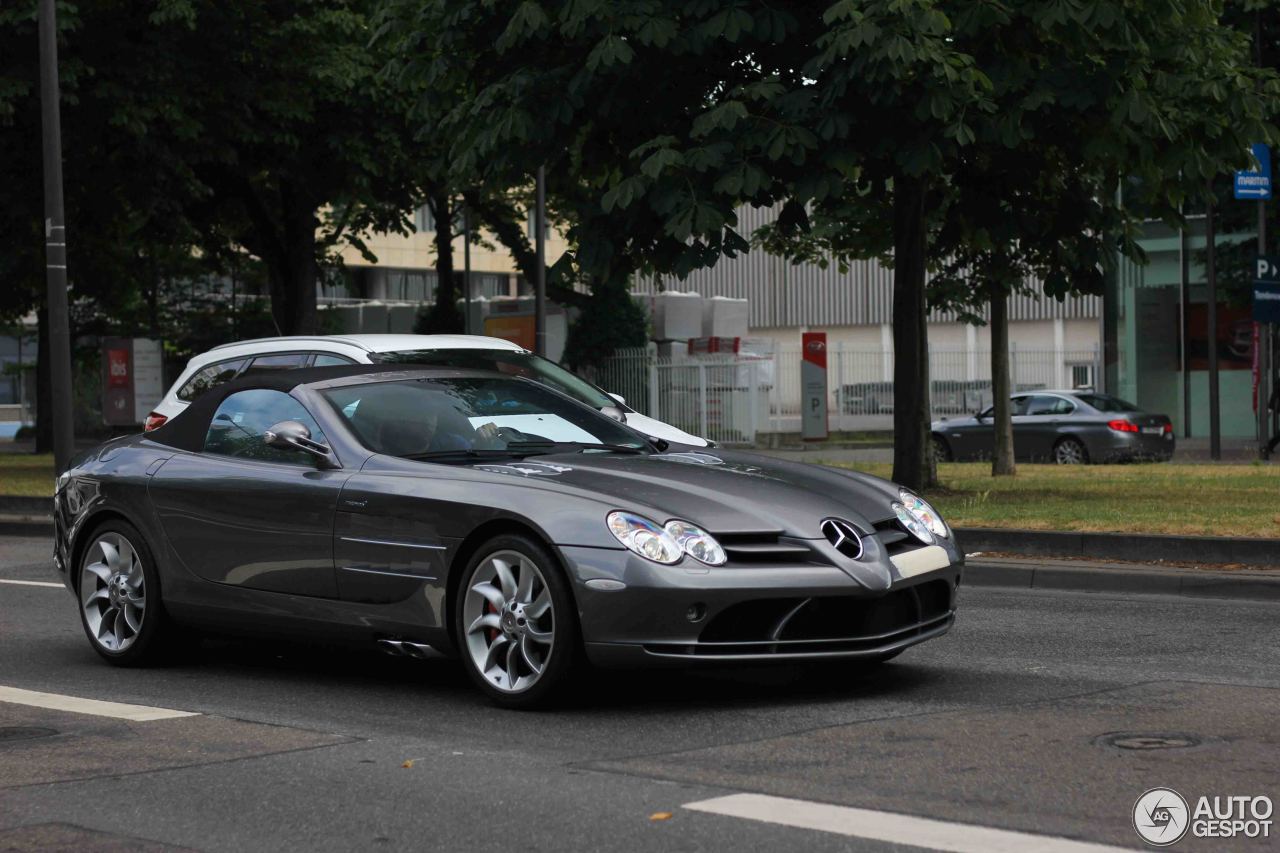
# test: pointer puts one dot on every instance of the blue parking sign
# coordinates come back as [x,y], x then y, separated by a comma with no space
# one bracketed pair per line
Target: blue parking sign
[1256,184]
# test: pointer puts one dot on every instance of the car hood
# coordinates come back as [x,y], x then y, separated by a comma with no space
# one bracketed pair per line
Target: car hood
[724,492]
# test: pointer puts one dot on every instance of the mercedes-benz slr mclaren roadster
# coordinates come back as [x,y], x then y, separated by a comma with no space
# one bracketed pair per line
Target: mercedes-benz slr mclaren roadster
[489,517]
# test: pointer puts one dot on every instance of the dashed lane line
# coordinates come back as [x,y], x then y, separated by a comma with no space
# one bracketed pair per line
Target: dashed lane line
[96,707]
[32,583]
[889,827]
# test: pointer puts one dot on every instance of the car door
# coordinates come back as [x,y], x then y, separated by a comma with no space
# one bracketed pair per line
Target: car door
[1037,431]
[970,438]
[242,513]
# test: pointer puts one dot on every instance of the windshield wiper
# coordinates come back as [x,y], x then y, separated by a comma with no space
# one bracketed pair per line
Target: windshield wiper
[461,454]
[580,446]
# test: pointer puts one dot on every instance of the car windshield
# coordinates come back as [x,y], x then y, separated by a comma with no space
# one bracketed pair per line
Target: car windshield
[1107,403]
[509,362]
[459,419]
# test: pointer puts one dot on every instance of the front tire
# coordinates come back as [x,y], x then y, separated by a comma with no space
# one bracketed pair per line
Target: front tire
[119,592]
[515,623]
[941,450]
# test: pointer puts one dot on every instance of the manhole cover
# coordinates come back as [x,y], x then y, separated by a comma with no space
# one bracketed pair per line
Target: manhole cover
[1143,741]
[8,733]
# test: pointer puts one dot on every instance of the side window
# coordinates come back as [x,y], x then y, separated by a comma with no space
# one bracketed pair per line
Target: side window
[1045,405]
[329,360]
[209,377]
[1020,405]
[270,363]
[237,427]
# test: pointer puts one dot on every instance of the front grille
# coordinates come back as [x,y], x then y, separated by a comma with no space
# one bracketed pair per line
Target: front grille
[824,624]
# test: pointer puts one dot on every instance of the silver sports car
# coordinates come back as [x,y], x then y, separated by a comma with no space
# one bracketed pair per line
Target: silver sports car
[1067,427]
[489,517]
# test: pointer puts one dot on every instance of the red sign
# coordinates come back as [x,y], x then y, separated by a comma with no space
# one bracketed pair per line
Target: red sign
[117,368]
[815,348]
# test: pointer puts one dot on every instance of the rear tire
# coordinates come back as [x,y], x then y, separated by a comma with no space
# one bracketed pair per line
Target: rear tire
[515,624]
[118,587]
[1070,451]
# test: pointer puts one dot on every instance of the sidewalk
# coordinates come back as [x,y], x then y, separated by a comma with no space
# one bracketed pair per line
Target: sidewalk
[1208,581]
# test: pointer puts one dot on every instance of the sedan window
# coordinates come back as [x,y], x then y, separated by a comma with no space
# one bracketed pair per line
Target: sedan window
[1043,404]
[1107,403]
[209,377]
[237,427]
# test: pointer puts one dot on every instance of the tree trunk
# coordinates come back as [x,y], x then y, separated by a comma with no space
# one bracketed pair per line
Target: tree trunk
[44,385]
[294,273]
[913,463]
[1002,463]
[447,318]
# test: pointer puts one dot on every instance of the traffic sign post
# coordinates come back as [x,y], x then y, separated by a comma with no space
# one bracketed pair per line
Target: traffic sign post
[1255,184]
[1266,314]
[813,385]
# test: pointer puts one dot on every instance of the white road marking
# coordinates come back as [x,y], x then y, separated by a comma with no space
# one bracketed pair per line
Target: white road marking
[96,707]
[33,583]
[889,827]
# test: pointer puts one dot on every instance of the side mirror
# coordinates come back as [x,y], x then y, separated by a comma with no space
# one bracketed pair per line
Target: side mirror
[621,399]
[615,413]
[292,435]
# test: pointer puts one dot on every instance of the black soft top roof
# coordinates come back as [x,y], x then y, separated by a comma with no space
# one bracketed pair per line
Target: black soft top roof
[187,429]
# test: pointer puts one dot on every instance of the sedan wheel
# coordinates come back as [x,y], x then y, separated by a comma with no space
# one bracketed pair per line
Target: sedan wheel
[1070,451]
[119,596]
[517,631]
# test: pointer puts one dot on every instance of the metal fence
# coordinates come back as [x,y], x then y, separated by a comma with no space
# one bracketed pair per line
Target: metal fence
[733,398]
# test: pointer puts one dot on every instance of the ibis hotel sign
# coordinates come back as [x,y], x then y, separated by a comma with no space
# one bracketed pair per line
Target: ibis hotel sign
[132,380]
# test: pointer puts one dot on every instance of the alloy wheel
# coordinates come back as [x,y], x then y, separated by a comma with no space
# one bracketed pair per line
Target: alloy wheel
[1069,452]
[113,592]
[510,621]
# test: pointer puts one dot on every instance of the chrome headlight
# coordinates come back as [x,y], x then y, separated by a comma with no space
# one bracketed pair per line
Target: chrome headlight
[645,537]
[696,542]
[925,514]
[913,524]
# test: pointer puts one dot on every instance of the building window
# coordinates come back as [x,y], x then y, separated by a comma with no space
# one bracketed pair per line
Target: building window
[423,220]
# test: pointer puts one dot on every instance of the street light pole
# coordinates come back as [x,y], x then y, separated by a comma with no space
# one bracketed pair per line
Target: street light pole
[55,235]
[1211,280]
[540,241]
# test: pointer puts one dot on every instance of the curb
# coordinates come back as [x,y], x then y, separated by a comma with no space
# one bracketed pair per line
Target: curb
[1188,583]
[13,524]
[1142,547]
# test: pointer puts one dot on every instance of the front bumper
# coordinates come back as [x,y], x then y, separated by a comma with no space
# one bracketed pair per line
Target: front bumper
[693,613]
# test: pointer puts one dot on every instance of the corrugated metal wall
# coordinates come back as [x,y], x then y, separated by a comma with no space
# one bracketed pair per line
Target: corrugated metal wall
[784,294]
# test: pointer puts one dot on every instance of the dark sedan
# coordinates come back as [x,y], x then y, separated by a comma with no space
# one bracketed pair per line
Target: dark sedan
[1067,427]
[489,517]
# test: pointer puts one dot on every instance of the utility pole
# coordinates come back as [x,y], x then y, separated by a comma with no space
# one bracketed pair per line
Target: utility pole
[55,236]
[1262,341]
[540,241]
[1211,279]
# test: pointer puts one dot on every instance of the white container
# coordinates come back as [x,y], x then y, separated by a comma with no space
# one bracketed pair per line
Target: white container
[677,316]
[724,317]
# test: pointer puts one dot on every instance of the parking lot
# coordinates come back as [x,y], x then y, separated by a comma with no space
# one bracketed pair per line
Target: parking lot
[1037,714]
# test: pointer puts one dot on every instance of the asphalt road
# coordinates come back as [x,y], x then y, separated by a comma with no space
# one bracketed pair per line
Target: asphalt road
[1008,722]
